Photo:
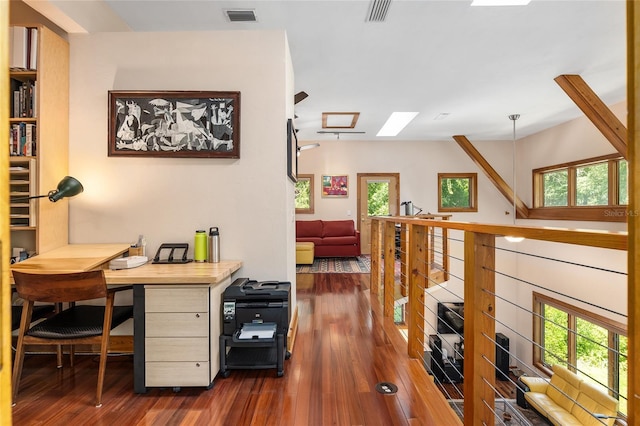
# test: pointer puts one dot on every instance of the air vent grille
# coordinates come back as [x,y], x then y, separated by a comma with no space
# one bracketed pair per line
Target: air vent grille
[246,15]
[378,10]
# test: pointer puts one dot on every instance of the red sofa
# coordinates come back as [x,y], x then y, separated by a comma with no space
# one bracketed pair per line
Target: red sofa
[332,238]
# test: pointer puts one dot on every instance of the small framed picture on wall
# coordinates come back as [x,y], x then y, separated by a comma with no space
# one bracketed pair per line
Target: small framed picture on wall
[335,186]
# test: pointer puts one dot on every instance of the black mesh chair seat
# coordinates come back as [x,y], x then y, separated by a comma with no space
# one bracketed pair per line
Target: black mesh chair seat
[39,311]
[79,321]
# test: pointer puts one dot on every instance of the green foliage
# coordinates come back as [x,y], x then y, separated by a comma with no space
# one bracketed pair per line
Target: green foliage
[556,336]
[556,186]
[623,182]
[303,194]
[592,354]
[455,192]
[378,197]
[592,185]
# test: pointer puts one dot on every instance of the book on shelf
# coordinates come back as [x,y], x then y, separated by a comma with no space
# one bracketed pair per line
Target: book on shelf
[23,47]
[22,139]
[18,46]
[23,104]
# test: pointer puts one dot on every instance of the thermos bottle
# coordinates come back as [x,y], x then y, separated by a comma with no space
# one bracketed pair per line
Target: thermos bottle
[200,251]
[214,245]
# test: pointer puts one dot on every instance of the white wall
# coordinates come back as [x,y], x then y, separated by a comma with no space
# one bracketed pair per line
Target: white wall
[167,199]
[418,163]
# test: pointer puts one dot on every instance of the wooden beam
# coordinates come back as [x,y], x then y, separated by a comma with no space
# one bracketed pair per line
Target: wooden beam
[595,110]
[633,120]
[522,211]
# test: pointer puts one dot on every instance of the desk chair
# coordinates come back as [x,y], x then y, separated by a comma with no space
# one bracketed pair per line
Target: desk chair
[80,324]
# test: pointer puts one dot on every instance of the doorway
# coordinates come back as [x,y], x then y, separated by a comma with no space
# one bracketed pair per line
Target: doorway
[378,195]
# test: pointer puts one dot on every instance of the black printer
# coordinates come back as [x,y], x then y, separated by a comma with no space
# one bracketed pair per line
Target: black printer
[255,318]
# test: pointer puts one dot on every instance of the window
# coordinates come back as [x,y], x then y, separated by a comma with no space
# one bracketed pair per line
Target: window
[556,188]
[304,194]
[457,192]
[592,185]
[378,198]
[594,182]
[593,346]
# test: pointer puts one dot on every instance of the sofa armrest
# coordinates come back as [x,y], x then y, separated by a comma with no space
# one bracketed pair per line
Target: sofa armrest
[535,384]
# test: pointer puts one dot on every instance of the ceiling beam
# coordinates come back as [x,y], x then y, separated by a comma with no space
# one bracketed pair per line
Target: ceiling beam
[522,211]
[595,110]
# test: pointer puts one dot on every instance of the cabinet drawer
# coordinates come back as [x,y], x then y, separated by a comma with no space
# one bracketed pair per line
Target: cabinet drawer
[176,299]
[176,349]
[191,324]
[177,374]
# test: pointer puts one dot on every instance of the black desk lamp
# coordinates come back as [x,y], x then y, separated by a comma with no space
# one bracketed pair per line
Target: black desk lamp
[68,187]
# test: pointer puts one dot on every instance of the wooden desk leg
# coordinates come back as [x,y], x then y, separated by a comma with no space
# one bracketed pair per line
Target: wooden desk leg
[138,340]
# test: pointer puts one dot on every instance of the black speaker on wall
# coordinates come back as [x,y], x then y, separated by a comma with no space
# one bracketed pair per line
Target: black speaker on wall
[502,357]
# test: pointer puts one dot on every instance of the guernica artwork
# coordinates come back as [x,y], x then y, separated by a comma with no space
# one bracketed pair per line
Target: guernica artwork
[174,124]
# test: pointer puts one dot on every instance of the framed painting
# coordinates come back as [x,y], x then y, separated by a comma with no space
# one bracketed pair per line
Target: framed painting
[335,186]
[174,124]
[292,151]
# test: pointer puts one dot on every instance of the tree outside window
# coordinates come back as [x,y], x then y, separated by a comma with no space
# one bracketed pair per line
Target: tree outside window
[378,198]
[457,192]
[304,194]
[556,187]
[592,185]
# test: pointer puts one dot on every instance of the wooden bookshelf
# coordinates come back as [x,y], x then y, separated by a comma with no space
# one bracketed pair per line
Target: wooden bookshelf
[39,225]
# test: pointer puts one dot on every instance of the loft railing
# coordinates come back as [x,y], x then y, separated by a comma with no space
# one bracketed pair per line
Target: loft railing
[418,263]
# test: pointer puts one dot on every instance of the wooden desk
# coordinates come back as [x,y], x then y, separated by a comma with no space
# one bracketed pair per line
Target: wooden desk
[167,300]
[72,258]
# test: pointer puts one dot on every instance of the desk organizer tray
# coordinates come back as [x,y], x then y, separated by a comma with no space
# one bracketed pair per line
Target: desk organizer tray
[170,259]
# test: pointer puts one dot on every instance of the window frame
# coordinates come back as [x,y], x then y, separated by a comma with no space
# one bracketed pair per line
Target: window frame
[473,192]
[611,212]
[311,209]
[614,330]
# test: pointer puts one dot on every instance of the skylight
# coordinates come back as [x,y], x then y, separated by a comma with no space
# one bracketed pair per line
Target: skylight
[396,122]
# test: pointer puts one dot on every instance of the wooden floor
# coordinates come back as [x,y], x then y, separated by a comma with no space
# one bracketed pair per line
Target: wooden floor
[343,348]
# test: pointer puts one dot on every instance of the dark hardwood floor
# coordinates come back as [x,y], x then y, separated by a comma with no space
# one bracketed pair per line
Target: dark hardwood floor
[343,348]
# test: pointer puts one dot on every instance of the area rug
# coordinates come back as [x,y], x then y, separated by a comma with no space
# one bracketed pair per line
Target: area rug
[342,265]
[515,415]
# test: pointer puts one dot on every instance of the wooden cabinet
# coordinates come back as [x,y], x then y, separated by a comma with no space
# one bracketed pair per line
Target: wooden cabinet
[182,325]
[39,225]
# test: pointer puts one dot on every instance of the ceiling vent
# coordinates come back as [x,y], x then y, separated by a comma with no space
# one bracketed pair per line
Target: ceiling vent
[243,15]
[378,10]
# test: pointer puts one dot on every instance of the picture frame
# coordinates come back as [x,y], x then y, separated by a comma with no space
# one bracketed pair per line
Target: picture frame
[335,186]
[292,152]
[189,124]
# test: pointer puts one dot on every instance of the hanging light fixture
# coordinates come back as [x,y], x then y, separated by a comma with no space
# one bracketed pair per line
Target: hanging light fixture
[511,239]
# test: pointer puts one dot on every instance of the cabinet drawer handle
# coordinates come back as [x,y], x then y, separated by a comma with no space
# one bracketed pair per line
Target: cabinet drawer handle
[197,364]
[197,315]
